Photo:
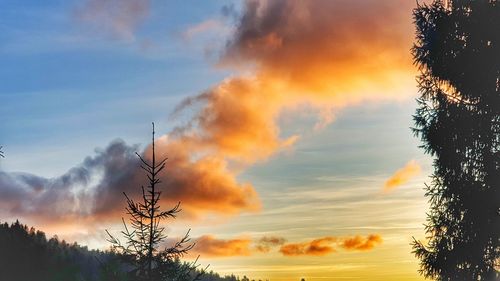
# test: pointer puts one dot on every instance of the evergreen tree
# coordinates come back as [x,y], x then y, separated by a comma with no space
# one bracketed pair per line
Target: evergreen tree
[145,235]
[458,53]
[26,254]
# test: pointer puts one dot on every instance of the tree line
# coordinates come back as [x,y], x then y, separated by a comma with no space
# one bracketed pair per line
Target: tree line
[26,254]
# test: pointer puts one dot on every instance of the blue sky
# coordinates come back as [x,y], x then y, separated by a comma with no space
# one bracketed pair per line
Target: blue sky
[61,80]
[70,86]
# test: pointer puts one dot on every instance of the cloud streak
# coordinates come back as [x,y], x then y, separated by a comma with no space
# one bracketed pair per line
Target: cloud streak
[116,18]
[210,246]
[210,26]
[326,245]
[403,175]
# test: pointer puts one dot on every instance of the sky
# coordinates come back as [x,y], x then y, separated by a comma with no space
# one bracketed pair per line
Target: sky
[287,125]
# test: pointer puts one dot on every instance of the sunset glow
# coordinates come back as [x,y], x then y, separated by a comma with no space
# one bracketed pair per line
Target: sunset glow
[286,124]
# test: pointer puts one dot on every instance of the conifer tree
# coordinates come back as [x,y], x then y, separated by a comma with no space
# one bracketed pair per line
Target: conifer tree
[145,234]
[457,50]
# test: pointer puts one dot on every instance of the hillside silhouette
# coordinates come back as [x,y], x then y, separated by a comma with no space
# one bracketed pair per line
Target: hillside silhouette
[27,255]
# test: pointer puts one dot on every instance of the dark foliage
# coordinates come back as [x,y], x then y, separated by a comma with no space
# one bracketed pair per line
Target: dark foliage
[145,235]
[27,255]
[458,53]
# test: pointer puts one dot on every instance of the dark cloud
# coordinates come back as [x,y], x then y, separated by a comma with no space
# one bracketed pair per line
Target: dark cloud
[73,194]
[93,190]
[229,11]
[266,243]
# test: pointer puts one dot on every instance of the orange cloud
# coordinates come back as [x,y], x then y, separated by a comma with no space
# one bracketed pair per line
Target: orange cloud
[317,247]
[204,184]
[323,53]
[403,175]
[315,52]
[327,54]
[92,191]
[210,246]
[326,245]
[235,121]
[334,51]
[360,243]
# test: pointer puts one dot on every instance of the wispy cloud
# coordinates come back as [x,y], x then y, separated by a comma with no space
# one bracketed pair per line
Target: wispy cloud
[116,18]
[403,175]
[209,26]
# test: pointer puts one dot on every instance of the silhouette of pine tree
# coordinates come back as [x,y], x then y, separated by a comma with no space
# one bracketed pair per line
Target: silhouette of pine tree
[143,239]
[458,53]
